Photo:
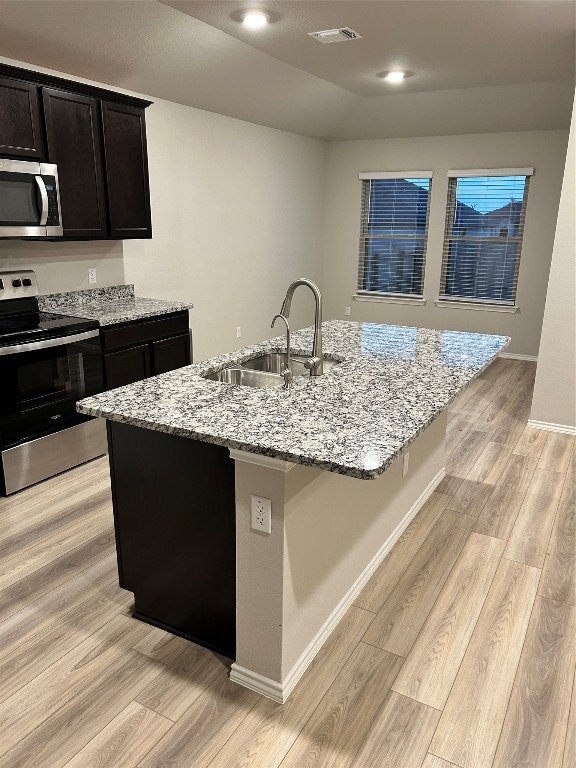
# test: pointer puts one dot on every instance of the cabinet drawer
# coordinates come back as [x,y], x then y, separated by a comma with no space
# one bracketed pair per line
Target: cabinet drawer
[130,334]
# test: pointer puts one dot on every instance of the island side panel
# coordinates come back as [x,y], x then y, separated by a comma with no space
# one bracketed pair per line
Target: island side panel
[337,529]
[329,534]
[259,571]
[174,515]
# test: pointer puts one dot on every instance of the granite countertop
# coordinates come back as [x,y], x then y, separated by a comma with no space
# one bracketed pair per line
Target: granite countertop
[393,381]
[110,306]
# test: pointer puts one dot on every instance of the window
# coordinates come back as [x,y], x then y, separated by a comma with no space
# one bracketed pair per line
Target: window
[393,232]
[483,235]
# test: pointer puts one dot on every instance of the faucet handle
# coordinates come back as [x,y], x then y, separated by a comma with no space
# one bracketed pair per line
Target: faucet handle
[312,363]
[288,378]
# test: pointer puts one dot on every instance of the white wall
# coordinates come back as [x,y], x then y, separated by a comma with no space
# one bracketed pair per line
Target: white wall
[545,150]
[64,266]
[554,400]
[237,212]
[237,215]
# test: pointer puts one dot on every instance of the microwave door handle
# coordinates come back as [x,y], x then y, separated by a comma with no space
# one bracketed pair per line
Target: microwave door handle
[44,198]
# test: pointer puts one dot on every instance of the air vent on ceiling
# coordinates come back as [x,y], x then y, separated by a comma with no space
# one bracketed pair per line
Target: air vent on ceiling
[335,35]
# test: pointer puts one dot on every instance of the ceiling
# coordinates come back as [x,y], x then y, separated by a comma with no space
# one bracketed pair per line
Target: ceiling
[479,65]
[446,43]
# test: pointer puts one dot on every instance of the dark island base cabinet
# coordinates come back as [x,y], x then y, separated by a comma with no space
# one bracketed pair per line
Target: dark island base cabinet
[134,351]
[174,517]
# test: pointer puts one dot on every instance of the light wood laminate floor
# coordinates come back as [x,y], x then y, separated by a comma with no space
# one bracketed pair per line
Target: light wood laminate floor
[460,651]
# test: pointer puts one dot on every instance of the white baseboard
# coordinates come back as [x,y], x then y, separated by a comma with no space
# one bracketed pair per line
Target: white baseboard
[512,356]
[565,429]
[264,685]
[280,691]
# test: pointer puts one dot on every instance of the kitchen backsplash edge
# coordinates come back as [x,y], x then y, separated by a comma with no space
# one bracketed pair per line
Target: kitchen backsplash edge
[51,301]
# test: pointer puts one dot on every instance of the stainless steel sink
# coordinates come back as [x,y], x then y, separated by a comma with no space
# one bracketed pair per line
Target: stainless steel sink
[265,370]
[247,378]
[273,362]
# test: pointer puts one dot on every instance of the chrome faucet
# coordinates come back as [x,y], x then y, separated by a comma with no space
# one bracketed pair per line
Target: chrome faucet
[315,363]
[287,372]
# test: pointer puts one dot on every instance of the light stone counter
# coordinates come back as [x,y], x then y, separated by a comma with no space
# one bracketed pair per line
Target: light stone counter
[392,383]
[110,306]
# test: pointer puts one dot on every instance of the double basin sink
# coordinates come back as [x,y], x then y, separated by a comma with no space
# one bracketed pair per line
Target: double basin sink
[265,370]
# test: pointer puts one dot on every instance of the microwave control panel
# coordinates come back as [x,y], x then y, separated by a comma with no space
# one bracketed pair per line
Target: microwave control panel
[53,219]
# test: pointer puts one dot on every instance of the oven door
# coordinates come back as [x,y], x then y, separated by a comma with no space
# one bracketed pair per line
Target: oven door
[41,382]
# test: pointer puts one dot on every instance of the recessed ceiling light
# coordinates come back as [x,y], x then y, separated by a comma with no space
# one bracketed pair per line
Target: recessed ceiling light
[395,77]
[255,19]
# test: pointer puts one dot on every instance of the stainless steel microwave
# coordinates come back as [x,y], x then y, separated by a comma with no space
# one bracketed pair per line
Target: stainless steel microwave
[29,199]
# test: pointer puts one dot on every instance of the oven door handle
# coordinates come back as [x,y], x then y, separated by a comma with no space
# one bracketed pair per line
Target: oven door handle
[32,346]
[44,198]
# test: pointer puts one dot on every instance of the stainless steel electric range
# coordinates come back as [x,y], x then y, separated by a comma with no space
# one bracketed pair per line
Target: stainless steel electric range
[47,362]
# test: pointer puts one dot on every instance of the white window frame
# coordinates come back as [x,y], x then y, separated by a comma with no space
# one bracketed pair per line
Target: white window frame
[469,302]
[377,296]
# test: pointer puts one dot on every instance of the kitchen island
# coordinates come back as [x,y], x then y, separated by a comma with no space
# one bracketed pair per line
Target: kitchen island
[187,453]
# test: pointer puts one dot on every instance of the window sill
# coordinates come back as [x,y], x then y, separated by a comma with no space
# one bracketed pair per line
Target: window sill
[417,300]
[511,309]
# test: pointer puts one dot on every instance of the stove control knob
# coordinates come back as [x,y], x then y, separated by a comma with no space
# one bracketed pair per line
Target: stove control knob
[1,284]
[16,283]
[27,281]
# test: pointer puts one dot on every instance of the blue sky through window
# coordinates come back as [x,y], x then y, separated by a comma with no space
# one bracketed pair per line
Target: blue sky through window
[489,193]
[424,183]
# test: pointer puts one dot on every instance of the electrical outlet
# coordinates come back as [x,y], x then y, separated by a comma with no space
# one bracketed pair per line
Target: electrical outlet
[92,276]
[347,311]
[238,332]
[405,461]
[261,514]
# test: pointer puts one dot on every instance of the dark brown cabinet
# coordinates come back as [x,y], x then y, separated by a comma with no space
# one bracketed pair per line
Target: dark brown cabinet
[133,351]
[127,366]
[172,353]
[126,170]
[96,137]
[20,124]
[175,523]
[73,139]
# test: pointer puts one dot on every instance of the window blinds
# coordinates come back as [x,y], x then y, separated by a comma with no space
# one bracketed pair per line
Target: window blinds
[393,231]
[483,236]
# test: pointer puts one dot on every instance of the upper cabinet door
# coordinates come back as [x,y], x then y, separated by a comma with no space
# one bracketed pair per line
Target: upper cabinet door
[73,137]
[20,131]
[126,163]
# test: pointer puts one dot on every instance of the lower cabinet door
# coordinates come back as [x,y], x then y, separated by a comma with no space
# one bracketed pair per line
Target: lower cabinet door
[127,366]
[171,353]
[175,522]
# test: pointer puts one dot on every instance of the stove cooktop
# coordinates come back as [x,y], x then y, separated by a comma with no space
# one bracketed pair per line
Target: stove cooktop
[22,328]
[20,319]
